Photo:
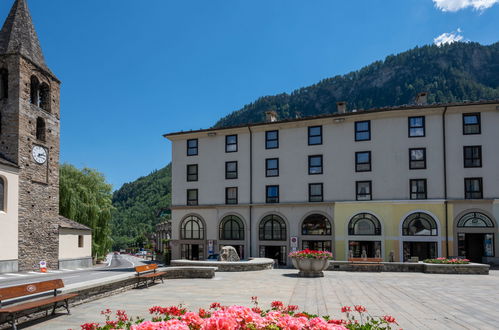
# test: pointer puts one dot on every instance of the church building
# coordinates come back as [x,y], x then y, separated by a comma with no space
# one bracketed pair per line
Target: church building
[31,228]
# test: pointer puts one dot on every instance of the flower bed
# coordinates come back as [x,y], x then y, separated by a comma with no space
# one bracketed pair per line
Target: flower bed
[311,254]
[454,261]
[219,317]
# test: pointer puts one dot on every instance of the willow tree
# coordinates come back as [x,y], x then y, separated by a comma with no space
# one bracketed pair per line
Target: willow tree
[86,197]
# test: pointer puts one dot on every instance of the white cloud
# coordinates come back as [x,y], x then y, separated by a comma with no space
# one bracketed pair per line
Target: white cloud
[448,38]
[455,5]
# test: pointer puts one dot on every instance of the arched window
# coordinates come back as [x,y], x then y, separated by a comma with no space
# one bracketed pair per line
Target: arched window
[4,84]
[40,129]
[272,228]
[2,194]
[419,224]
[192,228]
[316,224]
[231,228]
[45,97]
[35,91]
[475,219]
[364,224]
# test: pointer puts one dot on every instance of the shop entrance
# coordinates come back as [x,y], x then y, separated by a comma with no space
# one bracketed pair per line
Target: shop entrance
[317,245]
[422,250]
[368,249]
[476,246]
[192,251]
[274,252]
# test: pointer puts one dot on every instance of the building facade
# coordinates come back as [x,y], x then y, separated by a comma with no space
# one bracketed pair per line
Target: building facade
[29,142]
[397,183]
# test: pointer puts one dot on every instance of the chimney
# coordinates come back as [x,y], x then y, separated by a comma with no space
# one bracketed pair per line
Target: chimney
[341,106]
[422,98]
[270,116]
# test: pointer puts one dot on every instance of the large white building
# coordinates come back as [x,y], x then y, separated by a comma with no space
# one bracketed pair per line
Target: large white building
[413,181]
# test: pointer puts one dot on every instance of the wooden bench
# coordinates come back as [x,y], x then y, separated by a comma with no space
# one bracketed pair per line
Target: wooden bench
[12,312]
[366,260]
[366,264]
[146,272]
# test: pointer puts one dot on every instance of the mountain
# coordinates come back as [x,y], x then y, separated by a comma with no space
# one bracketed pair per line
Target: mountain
[138,207]
[450,73]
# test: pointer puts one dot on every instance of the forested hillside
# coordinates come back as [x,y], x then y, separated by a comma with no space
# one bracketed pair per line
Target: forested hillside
[456,72]
[137,205]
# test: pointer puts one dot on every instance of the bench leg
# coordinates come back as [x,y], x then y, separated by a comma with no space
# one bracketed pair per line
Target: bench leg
[162,281]
[13,321]
[53,309]
[66,305]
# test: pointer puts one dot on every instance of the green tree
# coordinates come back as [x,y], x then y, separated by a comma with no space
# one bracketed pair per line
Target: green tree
[86,198]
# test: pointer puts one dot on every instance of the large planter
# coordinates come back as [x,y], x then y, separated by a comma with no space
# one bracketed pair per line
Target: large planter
[310,267]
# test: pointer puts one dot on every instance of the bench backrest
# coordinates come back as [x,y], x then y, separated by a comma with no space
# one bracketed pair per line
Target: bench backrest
[29,289]
[366,259]
[146,268]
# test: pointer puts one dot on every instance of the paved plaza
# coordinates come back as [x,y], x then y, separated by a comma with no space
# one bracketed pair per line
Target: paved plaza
[416,300]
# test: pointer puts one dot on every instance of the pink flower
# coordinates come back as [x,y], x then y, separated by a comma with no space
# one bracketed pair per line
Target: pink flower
[192,319]
[220,323]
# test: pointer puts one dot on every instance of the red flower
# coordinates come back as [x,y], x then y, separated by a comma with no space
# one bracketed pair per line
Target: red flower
[277,304]
[302,315]
[121,314]
[257,310]
[203,313]
[106,312]
[89,326]
[215,305]
[337,322]
[112,323]
[389,319]
[360,309]
[346,309]
[291,308]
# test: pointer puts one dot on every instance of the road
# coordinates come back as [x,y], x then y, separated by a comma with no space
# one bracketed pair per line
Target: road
[116,264]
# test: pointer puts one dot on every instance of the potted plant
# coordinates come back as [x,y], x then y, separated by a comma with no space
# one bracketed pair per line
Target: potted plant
[310,263]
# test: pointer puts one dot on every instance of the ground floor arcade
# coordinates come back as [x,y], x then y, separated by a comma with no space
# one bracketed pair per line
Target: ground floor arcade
[393,231]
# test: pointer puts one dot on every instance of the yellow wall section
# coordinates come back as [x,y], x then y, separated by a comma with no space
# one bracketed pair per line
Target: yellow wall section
[391,215]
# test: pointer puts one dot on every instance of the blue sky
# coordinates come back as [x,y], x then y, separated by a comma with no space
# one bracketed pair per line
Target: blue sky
[133,70]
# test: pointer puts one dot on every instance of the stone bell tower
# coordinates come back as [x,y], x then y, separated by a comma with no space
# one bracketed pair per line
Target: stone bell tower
[29,136]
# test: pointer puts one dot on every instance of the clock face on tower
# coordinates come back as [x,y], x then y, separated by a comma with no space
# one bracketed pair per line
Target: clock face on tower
[39,154]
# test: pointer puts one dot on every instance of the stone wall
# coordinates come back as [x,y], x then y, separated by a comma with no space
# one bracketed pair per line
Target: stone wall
[229,266]
[38,184]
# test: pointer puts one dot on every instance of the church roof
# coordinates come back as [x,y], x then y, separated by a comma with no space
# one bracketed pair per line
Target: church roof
[18,36]
[4,161]
[71,224]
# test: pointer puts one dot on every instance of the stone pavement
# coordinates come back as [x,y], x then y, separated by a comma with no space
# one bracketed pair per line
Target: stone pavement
[416,300]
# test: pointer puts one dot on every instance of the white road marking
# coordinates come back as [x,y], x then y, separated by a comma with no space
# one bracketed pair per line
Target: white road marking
[10,274]
[71,276]
[66,270]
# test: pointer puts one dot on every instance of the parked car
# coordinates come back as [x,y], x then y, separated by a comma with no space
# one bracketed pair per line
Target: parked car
[213,257]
